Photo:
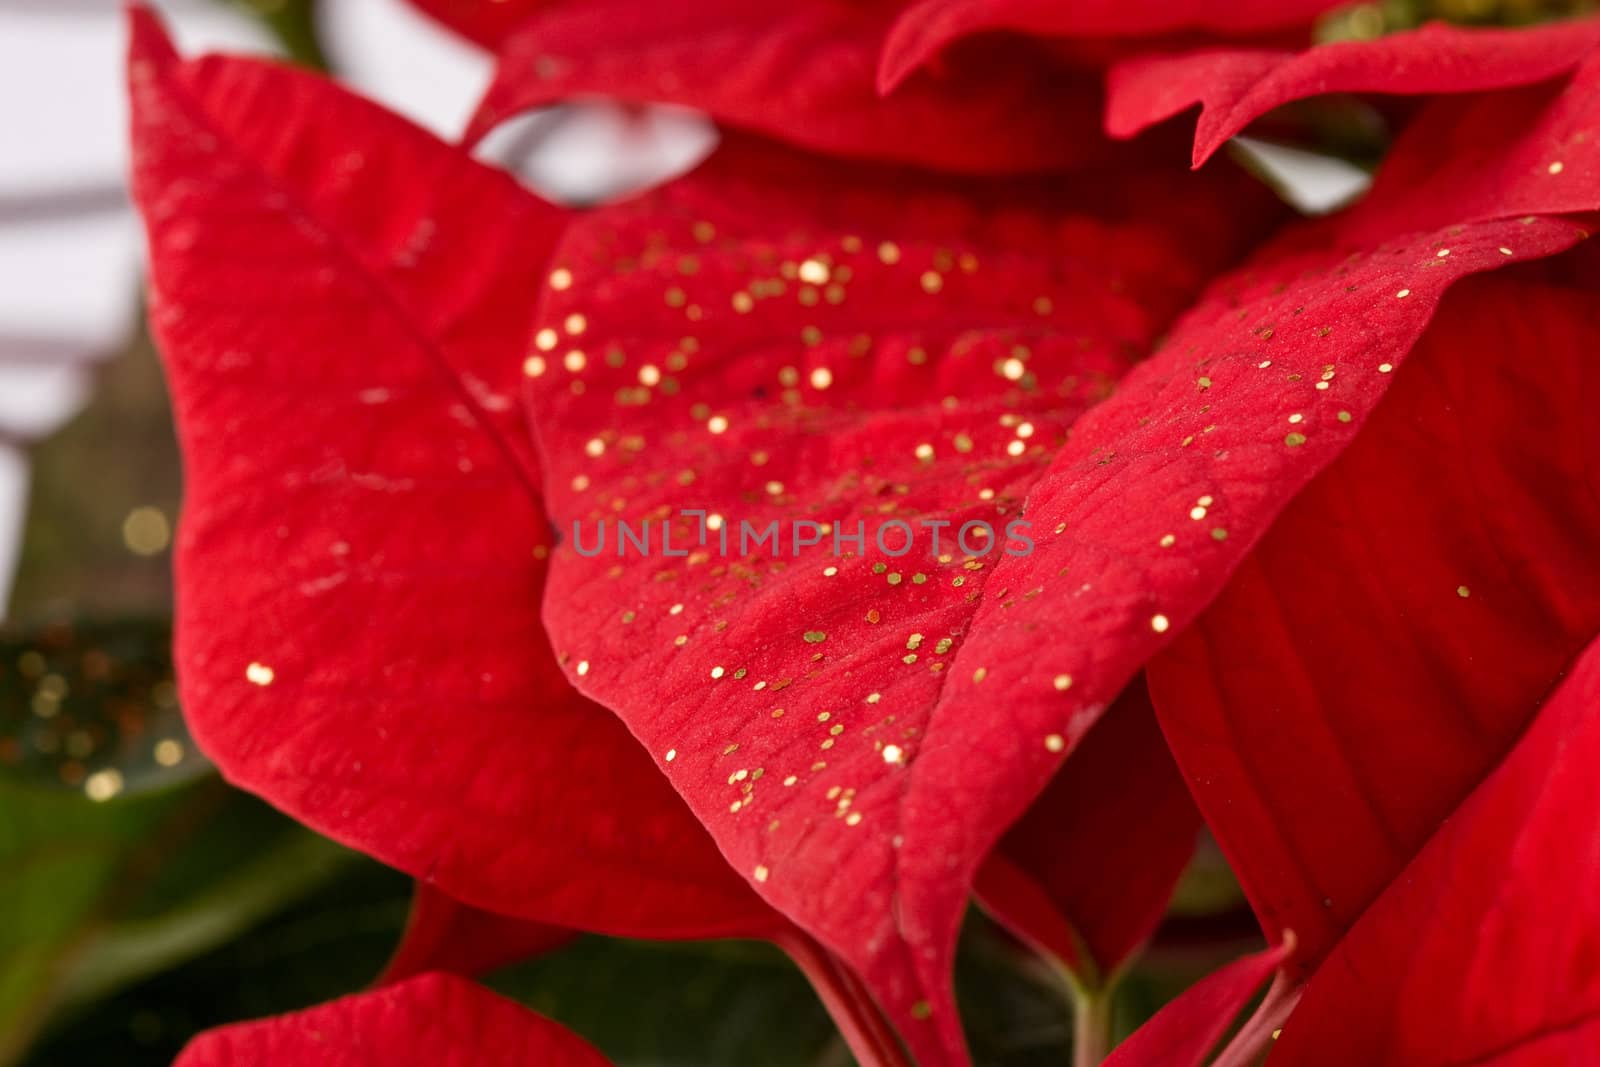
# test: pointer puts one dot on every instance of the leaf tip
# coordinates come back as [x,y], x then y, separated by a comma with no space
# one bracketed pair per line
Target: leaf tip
[148,42]
[894,68]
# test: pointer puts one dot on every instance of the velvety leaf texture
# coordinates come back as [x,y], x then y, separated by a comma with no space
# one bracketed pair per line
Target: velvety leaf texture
[1085,875]
[1449,688]
[434,1019]
[855,778]
[766,344]
[1236,87]
[805,74]
[982,530]
[1484,950]
[928,27]
[339,298]
[1449,558]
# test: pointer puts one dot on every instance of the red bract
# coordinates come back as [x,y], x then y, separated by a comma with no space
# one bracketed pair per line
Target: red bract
[1484,950]
[768,340]
[1183,1033]
[1236,87]
[803,73]
[339,299]
[792,408]
[1388,639]
[443,934]
[928,27]
[848,362]
[1086,873]
[435,1019]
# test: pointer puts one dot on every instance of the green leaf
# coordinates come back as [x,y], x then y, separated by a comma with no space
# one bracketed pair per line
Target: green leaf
[121,851]
[331,943]
[679,1003]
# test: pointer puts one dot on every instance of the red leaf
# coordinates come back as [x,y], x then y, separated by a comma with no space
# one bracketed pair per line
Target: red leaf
[435,1019]
[1139,517]
[339,298]
[486,23]
[1085,875]
[1448,557]
[928,27]
[1484,950]
[700,383]
[443,934]
[1187,1029]
[805,74]
[1236,87]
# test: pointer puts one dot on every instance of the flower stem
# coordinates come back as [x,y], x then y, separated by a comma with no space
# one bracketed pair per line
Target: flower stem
[854,1012]
[1091,1027]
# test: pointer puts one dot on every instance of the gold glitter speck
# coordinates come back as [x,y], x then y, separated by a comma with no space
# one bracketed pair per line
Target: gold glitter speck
[103,785]
[1463,592]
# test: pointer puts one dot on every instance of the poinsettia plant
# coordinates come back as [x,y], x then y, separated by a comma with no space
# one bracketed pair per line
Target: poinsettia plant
[953,489]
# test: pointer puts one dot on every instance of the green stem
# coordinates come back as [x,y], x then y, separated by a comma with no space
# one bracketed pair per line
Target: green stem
[1091,1027]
